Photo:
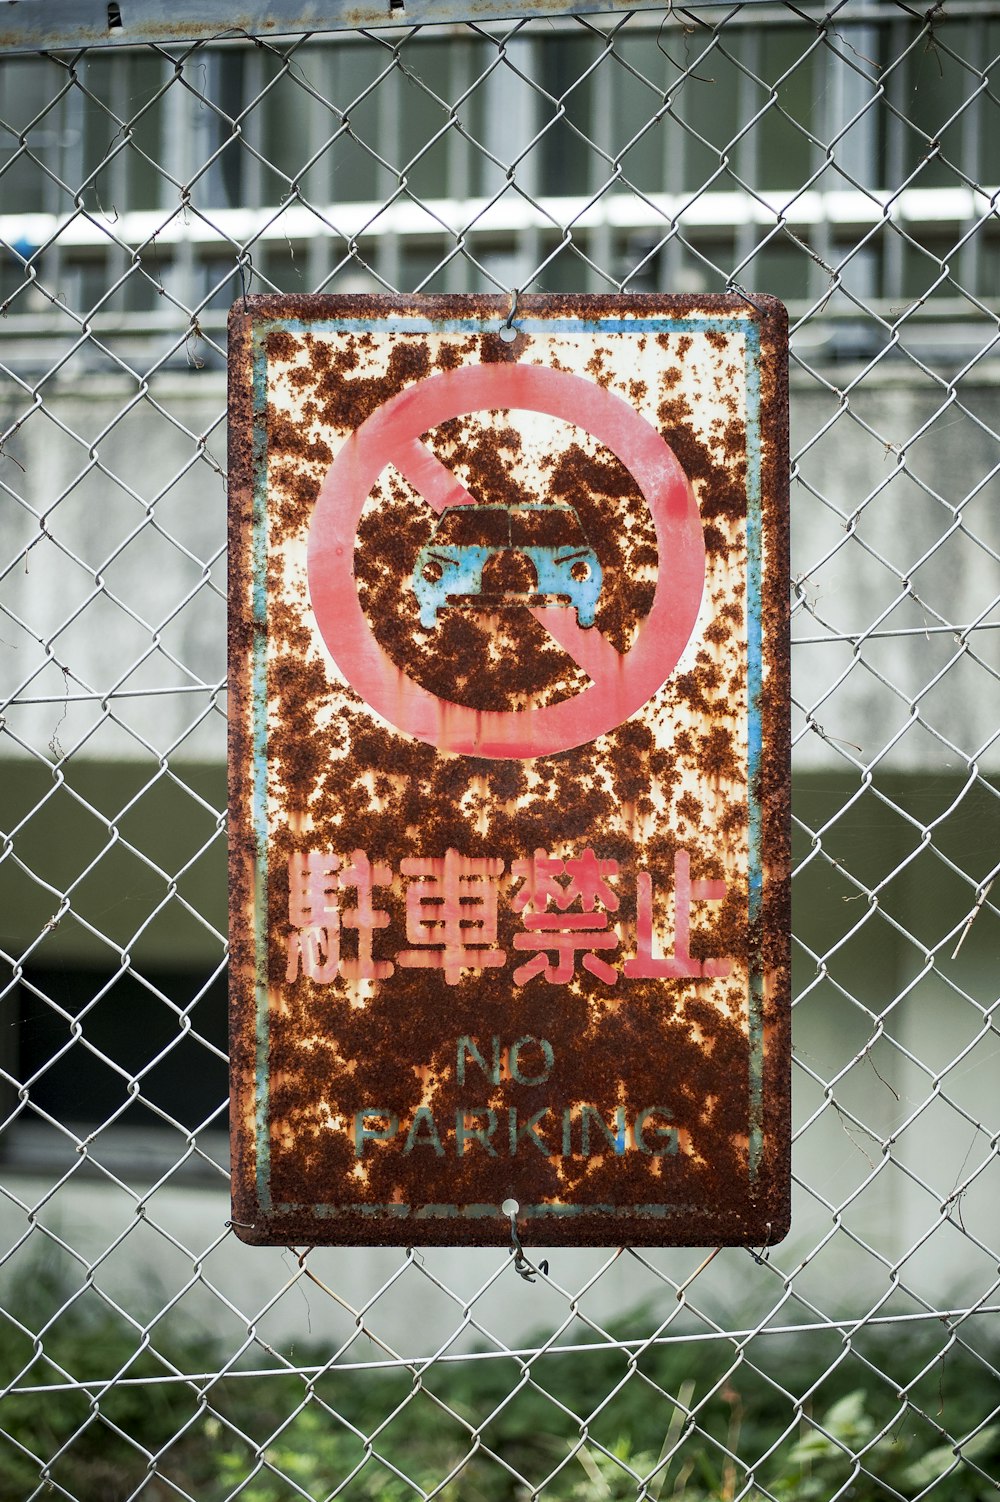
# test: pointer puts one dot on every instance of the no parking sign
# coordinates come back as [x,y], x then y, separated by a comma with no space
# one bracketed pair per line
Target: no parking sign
[509,769]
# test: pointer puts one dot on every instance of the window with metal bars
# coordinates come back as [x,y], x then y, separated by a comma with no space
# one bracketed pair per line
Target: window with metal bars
[853,161]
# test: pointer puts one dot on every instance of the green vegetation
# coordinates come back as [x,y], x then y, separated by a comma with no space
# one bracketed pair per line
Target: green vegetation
[490,1430]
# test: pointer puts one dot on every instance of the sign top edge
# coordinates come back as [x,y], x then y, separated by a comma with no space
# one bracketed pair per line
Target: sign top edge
[754,307]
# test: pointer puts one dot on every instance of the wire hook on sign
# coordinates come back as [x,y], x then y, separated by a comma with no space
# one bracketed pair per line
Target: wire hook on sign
[244,265]
[522,1266]
[508,333]
[764,1255]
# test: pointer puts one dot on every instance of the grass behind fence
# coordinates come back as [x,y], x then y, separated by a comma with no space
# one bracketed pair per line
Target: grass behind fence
[814,1420]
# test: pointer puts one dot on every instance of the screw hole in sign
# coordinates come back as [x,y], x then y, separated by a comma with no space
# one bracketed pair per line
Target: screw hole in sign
[508,333]
[509,1208]
[621,683]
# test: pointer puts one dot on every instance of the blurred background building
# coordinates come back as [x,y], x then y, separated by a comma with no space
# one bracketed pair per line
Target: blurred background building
[845,161]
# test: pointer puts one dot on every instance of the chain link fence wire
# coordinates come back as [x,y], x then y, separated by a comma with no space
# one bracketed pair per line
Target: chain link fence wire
[842,157]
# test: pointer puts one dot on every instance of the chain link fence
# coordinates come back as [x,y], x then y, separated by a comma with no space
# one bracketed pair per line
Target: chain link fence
[843,157]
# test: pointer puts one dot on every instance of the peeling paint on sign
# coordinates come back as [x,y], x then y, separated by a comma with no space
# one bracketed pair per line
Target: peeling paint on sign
[509,770]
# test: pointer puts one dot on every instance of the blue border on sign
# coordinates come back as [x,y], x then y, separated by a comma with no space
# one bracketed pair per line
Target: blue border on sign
[259,543]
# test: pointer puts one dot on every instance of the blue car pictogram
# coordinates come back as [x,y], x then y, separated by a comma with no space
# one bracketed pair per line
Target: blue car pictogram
[547,540]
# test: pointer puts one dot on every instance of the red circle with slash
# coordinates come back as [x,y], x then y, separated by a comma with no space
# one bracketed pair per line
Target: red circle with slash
[621,683]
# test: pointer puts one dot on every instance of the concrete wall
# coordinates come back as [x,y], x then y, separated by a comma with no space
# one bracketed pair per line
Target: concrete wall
[895,528]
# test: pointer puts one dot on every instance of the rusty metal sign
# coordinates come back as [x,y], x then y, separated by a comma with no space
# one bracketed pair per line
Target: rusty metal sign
[509,770]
